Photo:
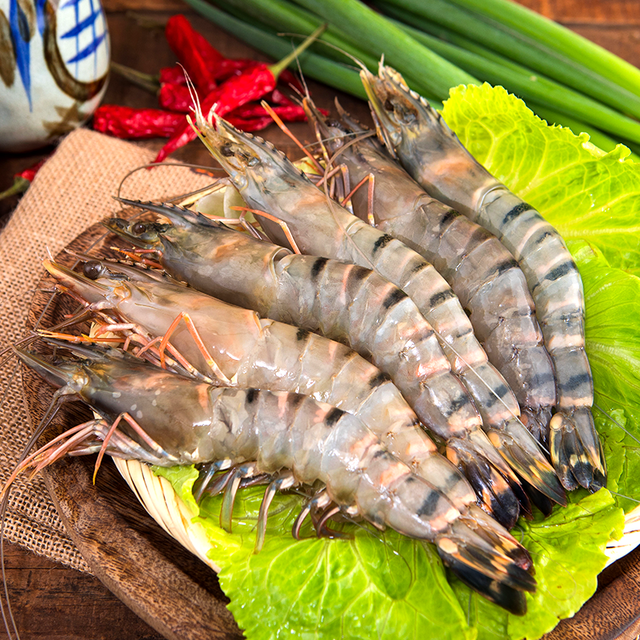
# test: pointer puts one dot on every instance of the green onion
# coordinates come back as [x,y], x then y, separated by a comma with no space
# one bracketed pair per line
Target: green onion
[523,83]
[286,16]
[545,33]
[327,71]
[596,137]
[524,50]
[427,72]
[468,43]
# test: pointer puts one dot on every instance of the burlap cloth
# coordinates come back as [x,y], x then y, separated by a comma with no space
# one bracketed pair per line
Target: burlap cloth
[70,192]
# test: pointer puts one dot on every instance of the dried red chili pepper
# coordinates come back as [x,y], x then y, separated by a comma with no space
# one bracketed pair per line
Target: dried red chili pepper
[277,97]
[172,75]
[250,124]
[30,172]
[24,178]
[179,98]
[229,67]
[288,78]
[193,51]
[288,113]
[253,84]
[237,90]
[129,123]
[175,97]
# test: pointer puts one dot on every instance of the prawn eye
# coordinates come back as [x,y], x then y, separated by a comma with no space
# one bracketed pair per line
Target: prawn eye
[226,151]
[404,114]
[139,228]
[93,269]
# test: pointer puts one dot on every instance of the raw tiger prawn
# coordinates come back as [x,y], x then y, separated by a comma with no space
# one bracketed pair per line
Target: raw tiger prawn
[270,183]
[436,159]
[235,347]
[481,271]
[372,316]
[161,418]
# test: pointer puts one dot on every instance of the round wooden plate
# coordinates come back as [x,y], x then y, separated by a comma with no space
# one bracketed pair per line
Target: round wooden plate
[164,584]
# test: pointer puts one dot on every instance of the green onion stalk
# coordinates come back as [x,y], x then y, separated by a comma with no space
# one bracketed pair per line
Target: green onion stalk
[544,33]
[415,41]
[327,71]
[531,87]
[376,35]
[528,51]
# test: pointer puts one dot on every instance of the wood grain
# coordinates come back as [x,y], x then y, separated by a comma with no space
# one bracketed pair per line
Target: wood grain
[53,603]
[604,13]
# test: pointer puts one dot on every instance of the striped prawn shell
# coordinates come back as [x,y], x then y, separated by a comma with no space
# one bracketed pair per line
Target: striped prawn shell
[253,352]
[271,183]
[436,159]
[182,421]
[344,302]
[481,271]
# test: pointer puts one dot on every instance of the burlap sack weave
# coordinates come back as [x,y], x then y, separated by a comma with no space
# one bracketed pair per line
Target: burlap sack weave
[71,192]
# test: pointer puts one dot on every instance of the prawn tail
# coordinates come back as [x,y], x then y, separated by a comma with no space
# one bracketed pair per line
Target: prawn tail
[499,493]
[576,451]
[488,560]
[522,452]
[537,423]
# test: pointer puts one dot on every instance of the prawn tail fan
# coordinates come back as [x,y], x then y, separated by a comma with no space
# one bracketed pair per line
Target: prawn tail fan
[474,554]
[576,450]
[519,448]
[492,480]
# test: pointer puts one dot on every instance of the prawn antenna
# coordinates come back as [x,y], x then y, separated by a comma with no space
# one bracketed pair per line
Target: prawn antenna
[276,118]
[201,168]
[335,47]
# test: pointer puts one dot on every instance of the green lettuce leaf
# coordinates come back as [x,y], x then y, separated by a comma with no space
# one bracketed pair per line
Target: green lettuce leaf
[579,189]
[612,298]
[592,198]
[383,585]
[388,586]
[567,553]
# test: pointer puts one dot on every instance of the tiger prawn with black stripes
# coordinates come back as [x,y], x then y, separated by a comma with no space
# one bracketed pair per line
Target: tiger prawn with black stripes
[287,440]
[344,302]
[432,154]
[235,347]
[277,190]
[481,271]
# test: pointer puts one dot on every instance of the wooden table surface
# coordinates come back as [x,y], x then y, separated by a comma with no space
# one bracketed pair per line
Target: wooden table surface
[54,602]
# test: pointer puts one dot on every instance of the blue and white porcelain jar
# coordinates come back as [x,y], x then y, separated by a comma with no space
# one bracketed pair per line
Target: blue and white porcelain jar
[54,63]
